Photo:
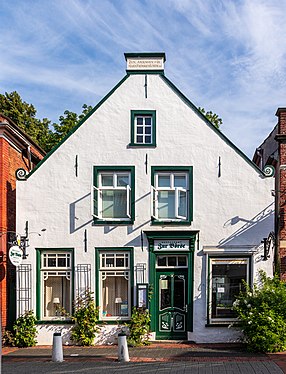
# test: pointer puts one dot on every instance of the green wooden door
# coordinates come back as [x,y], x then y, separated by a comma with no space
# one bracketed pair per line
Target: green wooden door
[171,304]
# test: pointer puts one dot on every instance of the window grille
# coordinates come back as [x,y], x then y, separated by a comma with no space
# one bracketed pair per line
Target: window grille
[140,271]
[23,290]
[83,279]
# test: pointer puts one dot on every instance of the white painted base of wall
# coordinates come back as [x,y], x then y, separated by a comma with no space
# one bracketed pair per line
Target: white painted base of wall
[108,335]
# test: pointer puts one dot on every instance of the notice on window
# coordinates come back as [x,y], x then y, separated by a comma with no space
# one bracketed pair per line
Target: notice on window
[220,289]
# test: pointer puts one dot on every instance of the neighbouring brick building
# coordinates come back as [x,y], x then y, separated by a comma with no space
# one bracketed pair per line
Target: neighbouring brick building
[17,150]
[281,190]
[272,152]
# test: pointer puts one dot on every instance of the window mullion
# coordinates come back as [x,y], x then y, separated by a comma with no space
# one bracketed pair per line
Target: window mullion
[128,189]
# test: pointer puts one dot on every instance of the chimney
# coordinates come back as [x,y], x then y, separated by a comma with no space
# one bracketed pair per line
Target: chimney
[281,191]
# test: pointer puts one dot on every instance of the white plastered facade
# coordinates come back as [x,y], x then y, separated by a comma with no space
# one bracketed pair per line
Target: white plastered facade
[233,208]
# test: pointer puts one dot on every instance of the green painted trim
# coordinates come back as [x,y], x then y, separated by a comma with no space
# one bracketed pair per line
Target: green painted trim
[170,335]
[187,169]
[132,127]
[190,301]
[131,170]
[38,284]
[97,278]
[38,280]
[144,72]
[145,54]
[152,282]
[78,125]
[192,106]
[151,235]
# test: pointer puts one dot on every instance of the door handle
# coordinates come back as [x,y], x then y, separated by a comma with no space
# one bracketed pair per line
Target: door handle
[186,308]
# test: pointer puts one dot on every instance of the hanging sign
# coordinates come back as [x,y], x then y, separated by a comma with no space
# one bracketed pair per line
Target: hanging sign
[15,255]
[171,245]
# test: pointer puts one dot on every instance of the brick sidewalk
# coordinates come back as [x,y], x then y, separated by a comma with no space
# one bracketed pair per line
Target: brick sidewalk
[156,352]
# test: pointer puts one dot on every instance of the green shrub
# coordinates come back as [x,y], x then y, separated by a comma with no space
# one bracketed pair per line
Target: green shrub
[262,315]
[24,331]
[139,327]
[85,318]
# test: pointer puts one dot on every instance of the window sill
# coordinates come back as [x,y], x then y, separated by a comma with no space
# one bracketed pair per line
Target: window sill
[113,321]
[97,222]
[137,145]
[175,223]
[219,324]
[55,322]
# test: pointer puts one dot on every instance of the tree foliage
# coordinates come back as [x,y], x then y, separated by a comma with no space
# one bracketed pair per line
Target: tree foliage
[24,115]
[212,117]
[43,132]
[261,311]
[67,122]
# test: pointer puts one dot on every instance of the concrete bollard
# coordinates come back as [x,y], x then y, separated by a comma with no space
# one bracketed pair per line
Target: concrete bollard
[57,355]
[123,354]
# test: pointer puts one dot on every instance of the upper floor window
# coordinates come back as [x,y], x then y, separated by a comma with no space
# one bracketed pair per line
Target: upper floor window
[143,128]
[171,196]
[113,194]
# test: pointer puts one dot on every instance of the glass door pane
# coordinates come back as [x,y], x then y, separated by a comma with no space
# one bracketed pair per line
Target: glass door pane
[179,292]
[165,291]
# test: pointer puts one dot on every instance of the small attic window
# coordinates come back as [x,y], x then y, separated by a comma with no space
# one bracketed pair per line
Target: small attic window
[143,128]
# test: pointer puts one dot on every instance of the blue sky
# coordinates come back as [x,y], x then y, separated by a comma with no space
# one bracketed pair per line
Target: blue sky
[226,56]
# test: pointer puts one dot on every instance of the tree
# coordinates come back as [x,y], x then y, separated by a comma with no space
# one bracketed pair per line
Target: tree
[67,122]
[24,115]
[212,117]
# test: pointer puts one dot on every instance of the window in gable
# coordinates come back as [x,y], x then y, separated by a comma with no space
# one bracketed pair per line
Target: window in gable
[143,128]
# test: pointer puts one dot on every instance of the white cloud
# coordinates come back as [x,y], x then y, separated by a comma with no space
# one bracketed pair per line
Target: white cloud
[227,56]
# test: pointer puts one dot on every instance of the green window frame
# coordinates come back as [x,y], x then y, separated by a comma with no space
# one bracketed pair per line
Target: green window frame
[114,283]
[110,183]
[55,284]
[143,128]
[181,194]
[225,281]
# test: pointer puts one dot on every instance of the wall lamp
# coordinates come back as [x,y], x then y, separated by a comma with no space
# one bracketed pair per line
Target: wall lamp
[266,245]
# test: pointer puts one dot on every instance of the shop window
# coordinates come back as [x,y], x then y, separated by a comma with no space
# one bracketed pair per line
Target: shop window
[171,198]
[227,277]
[143,128]
[113,195]
[114,285]
[55,284]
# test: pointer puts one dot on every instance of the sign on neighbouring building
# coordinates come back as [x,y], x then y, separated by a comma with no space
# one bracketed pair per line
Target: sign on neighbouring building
[15,255]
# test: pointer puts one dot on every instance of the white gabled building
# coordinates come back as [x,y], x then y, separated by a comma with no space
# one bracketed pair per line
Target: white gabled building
[144,192]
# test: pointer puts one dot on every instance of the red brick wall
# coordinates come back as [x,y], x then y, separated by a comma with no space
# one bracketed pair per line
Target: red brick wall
[11,159]
[282,193]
